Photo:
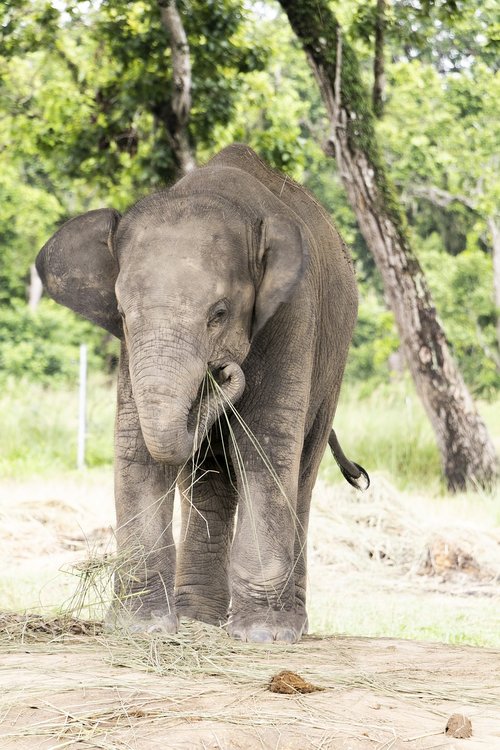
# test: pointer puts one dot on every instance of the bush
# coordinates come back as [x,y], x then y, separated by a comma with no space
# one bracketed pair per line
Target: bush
[462,287]
[44,345]
[375,339]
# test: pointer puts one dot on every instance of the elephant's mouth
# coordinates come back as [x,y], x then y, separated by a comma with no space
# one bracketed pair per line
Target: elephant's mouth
[212,379]
[221,387]
[175,430]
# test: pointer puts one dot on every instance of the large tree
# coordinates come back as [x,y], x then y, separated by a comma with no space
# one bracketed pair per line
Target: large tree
[179,104]
[467,451]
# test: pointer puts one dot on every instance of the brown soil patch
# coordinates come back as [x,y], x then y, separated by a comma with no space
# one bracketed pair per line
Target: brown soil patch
[199,689]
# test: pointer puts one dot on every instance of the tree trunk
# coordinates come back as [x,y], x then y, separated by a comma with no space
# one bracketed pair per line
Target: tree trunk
[468,454]
[378,61]
[495,252]
[180,106]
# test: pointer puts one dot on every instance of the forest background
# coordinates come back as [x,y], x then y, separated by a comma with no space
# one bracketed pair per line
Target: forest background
[85,108]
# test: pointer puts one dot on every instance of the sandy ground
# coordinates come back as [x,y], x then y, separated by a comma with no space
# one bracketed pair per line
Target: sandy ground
[377,694]
[203,691]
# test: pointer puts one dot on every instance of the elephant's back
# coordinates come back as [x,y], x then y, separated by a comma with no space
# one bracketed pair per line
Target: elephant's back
[329,243]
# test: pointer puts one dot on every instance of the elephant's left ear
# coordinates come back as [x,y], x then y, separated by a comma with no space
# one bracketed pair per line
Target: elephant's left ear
[283,255]
[78,268]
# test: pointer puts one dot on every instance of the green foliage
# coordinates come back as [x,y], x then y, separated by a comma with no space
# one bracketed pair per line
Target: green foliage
[44,346]
[431,135]
[436,150]
[463,298]
[449,35]
[27,215]
[273,107]
[375,339]
[103,84]
[85,92]
[39,427]
[85,97]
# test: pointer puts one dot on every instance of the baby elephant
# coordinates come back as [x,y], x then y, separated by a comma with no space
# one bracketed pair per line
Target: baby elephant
[235,300]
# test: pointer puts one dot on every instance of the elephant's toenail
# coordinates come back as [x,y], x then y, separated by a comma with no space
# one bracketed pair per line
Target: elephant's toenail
[260,636]
[286,636]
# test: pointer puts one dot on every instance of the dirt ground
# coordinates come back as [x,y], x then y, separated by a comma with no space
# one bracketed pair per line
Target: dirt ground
[63,685]
[378,694]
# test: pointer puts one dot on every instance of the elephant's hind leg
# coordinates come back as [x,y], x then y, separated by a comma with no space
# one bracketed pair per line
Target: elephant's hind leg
[208,502]
[312,453]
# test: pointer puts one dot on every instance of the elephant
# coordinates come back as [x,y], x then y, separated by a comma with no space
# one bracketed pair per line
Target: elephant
[234,299]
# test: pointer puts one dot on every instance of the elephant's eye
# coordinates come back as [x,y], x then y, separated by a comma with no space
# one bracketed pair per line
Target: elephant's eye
[120,311]
[218,313]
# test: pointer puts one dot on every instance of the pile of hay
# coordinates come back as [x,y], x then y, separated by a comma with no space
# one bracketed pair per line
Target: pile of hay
[383,532]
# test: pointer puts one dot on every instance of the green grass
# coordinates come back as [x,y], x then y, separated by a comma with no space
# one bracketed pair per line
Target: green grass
[388,430]
[39,427]
[415,616]
[43,588]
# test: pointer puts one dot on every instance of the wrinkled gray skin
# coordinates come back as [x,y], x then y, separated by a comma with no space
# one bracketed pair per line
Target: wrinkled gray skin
[238,270]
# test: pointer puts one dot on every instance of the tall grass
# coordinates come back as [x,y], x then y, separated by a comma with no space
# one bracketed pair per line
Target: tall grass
[39,427]
[386,430]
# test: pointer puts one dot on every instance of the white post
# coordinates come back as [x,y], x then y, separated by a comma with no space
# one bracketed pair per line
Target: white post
[82,408]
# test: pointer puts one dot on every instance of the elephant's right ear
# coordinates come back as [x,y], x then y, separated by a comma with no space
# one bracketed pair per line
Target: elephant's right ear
[78,269]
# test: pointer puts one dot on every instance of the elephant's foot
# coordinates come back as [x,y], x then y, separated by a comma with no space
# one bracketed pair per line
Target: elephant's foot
[267,626]
[119,618]
[194,613]
[197,606]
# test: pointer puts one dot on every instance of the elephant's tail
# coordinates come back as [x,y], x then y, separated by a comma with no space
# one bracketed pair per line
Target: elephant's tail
[351,471]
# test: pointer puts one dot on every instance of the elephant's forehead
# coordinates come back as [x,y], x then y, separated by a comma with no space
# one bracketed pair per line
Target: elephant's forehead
[191,243]
[188,258]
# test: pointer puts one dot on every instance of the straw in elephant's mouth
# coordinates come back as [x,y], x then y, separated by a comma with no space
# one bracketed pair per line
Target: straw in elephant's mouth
[220,389]
[205,392]
[195,409]
[216,373]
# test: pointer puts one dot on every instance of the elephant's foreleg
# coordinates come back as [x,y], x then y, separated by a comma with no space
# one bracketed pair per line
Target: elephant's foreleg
[263,606]
[208,505]
[144,493]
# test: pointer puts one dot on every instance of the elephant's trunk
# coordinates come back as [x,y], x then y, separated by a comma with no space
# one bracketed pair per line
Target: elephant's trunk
[175,410]
[166,436]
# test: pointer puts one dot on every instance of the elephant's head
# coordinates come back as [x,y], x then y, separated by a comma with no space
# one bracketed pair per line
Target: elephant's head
[187,280]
